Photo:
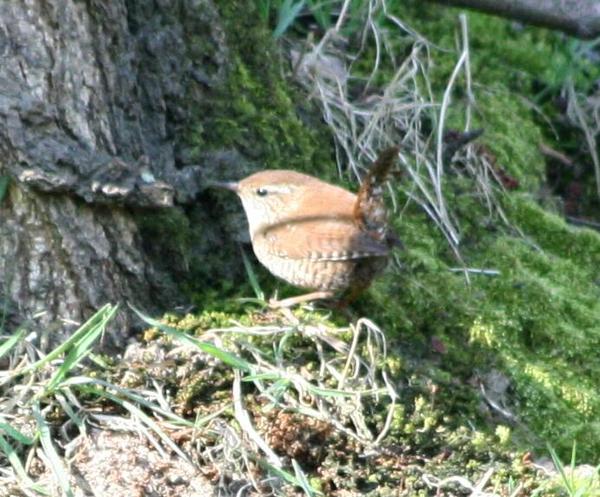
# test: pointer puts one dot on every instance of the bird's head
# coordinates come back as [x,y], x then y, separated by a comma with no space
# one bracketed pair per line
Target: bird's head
[270,197]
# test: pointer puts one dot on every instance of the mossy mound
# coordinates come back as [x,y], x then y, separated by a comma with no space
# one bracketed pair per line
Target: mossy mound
[534,320]
[435,431]
[254,111]
[537,320]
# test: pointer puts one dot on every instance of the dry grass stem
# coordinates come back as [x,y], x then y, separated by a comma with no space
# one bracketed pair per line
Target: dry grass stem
[365,121]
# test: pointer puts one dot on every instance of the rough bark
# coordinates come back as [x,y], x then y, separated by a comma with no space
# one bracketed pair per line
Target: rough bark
[580,18]
[93,97]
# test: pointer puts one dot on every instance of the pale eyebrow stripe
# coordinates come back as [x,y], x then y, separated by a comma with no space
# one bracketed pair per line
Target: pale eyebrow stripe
[277,188]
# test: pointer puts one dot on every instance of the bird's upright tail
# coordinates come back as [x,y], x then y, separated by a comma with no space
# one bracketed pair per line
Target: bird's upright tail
[369,211]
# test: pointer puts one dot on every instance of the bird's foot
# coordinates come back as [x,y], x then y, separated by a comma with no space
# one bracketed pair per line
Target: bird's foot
[300,299]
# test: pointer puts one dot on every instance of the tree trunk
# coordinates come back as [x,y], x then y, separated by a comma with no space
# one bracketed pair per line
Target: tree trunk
[94,97]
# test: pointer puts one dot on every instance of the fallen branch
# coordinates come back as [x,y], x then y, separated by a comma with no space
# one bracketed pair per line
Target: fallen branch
[576,221]
[556,155]
[580,18]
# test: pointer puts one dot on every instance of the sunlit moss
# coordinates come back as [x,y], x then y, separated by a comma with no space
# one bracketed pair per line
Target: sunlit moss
[537,321]
[255,110]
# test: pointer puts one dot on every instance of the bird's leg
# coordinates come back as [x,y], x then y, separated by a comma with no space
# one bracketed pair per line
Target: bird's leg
[300,299]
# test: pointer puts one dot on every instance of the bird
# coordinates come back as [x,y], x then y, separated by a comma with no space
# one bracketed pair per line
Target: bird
[316,235]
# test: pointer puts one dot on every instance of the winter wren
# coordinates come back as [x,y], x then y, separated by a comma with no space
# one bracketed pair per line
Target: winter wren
[316,235]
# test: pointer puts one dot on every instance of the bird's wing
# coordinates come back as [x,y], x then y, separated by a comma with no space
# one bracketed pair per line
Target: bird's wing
[322,238]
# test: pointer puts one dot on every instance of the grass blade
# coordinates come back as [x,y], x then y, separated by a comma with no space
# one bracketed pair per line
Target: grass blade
[304,483]
[100,389]
[20,472]
[11,341]
[149,422]
[224,356]
[287,14]
[4,182]
[15,434]
[260,295]
[56,464]
[321,13]
[72,340]
[561,469]
[80,349]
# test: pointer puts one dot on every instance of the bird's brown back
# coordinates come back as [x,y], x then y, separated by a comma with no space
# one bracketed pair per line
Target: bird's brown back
[320,245]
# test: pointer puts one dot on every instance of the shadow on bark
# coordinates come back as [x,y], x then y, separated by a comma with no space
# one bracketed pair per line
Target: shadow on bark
[95,96]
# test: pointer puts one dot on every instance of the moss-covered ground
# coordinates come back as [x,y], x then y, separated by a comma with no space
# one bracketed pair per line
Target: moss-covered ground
[538,320]
[489,370]
[495,368]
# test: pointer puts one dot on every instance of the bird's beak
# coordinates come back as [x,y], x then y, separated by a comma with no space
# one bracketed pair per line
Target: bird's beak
[227,185]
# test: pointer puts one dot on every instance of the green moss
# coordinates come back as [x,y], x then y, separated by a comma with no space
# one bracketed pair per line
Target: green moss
[427,433]
[511,135]
[167,225]
[522,59]
[251,108]
[514,71]
[255,111]
[538,321]
[167,238]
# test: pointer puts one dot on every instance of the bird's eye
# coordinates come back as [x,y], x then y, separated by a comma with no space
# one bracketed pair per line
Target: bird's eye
[261,192]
